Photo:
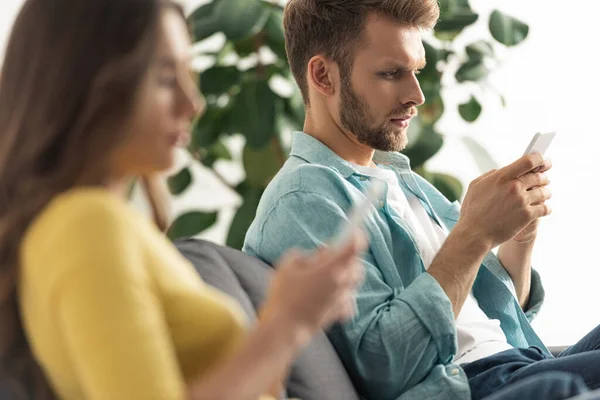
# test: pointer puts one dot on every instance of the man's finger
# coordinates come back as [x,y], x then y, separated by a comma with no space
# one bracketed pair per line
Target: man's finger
[523,165]
[534,179]
[490,172]
[538,196]
[541,210]
[546,166]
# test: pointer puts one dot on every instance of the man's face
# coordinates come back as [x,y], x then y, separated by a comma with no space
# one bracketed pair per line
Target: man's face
[380,95]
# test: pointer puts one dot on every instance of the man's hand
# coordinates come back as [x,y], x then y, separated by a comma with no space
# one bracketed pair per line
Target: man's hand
[503,203]
[497,206]
[530,232]
[515,255]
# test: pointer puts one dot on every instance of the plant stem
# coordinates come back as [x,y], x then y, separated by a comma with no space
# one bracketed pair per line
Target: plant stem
[216,173]
[261,71]
[222,179]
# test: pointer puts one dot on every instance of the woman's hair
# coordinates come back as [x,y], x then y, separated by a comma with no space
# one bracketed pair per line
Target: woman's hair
[69,81]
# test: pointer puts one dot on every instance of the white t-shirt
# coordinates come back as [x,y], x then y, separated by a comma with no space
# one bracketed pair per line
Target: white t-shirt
[478,336]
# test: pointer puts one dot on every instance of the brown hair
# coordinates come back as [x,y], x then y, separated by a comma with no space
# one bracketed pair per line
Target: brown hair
[333,28]
[69,80]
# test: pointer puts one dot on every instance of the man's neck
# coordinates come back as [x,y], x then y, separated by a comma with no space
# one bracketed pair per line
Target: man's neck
[343,143]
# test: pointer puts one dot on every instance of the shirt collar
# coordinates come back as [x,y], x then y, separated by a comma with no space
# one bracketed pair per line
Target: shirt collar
[315,152]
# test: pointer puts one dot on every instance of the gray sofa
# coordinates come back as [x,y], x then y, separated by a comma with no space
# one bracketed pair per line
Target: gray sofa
[317,373]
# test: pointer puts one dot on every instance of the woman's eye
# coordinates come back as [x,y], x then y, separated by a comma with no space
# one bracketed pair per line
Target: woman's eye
[168,81]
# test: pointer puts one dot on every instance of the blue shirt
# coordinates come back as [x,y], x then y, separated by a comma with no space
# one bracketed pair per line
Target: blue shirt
[402,341]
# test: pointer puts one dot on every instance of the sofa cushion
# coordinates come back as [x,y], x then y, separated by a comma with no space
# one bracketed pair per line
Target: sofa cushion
[317,373]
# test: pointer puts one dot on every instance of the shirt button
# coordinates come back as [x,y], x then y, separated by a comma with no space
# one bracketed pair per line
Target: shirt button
[455,371]
[362,178]
[381,203]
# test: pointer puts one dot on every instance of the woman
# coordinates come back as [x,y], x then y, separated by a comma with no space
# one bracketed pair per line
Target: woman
[95,303]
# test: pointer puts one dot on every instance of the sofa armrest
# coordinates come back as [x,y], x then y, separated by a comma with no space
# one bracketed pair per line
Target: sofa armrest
[556,350]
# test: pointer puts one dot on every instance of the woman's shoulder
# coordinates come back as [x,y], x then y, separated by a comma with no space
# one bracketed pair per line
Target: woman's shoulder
[78,212]
[90,202]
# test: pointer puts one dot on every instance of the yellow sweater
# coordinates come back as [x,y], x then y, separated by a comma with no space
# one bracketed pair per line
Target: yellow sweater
[110,307]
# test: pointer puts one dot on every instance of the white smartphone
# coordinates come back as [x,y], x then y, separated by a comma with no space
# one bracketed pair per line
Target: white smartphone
[357,217]
[540,143]
[360,211]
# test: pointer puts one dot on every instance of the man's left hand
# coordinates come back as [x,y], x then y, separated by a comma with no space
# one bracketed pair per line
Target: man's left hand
[530,232]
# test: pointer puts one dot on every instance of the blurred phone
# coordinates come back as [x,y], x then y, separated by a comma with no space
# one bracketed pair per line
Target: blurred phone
[359,212]
[540,143]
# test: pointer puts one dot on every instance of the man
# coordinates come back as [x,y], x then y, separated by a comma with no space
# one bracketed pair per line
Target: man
[439,315]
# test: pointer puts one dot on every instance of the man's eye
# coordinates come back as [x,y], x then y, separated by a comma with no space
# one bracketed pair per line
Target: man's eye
[390,74]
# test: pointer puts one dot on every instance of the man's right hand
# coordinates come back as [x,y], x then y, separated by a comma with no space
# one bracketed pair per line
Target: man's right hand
[500,203]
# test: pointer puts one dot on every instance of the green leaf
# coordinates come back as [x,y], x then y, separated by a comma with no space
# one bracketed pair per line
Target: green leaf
[221,151]
[424,173]
[243,188]
[222,54]
[427,145]
[262,165]
[294,108]
[254,111]
[471,110]
[433,109]
[472,70]
[480,50]
[219,80]
[275,37]
[456,22]
[238,19]
[506,29]
[414,130]
[432,57]
[243,218]
[503,101]
[263,72]
[178,183]
[485,162]
[208,128]
[246,46]
[446,7]
[448,185]
[191,224]
[449,7]
[203,21]
[218,151]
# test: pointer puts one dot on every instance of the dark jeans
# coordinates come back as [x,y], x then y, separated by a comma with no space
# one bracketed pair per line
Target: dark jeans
[547,386]
[578,369]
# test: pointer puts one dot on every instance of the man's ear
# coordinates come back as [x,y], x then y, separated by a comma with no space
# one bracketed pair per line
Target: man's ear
[323,75]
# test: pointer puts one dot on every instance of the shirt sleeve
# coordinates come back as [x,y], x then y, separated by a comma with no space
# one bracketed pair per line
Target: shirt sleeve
[109,315]
[399,334]
[537,295]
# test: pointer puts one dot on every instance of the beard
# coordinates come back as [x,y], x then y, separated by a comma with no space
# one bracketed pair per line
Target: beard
[356,118]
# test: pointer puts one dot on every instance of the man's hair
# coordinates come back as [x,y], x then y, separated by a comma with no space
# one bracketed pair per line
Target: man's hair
[333,28]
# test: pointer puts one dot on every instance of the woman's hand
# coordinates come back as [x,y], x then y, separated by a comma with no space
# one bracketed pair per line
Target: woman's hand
[313,291]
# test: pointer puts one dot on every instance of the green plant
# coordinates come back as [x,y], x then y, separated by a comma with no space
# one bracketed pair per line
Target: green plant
[245,101]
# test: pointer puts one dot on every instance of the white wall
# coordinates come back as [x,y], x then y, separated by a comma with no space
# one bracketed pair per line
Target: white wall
[8,11]
[550,83]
